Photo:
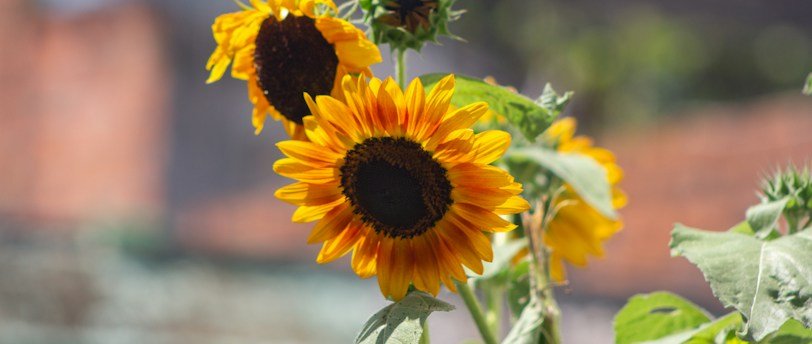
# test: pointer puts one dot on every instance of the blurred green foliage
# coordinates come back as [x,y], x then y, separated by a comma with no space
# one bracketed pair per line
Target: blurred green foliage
[633,61]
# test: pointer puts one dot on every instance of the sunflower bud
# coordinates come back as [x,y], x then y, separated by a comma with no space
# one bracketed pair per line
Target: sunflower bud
[408,24]
[795,185]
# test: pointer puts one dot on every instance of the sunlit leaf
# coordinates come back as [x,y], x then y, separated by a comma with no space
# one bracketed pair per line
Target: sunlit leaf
[769,282]
[656,315]
[401,322]
[585,175]
[763,218]
[531,117]
[808,86]
[707,333]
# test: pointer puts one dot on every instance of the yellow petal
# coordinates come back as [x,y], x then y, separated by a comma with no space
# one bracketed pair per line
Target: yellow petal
[310,213]
[365,255]
[309,152]
[295,169]
[308,194]
[490,146]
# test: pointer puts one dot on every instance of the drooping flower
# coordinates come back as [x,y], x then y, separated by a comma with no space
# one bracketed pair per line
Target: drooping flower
[578,230]
[285,48]
[401,181]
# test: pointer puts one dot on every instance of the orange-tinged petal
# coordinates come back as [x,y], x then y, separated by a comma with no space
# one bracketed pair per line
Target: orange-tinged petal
[483,219]
[331,225]
[402,268]
[384,265]
[427,270]
[340,245]
[366,254]
[458,242]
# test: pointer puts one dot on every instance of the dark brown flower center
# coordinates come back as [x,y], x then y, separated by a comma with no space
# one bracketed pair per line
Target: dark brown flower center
[395,186]
[409,14]
[291,58]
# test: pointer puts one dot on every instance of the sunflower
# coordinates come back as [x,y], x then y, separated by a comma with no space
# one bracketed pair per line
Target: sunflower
[578,230]
[400,181]
[408,14]
[284,48]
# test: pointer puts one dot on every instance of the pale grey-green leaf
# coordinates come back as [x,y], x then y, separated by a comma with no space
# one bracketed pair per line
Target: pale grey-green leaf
[656,315]
[763,218]
[552,101]
[586,176]
[808,85]
[527,330]
[769,282]
[401,322]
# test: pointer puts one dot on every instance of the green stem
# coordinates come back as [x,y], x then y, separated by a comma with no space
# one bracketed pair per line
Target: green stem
[400,68]
[493,304]
[424,338]
[476,312]
[541,281]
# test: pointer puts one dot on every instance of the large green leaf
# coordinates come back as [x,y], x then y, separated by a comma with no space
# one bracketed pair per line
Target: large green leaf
[656,315]
[401,322]
[531,118]
[763,218]
[769,282]
[581,172]
[707,333]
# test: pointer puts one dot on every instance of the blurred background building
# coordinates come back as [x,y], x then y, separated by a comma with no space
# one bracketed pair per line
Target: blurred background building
[136,205]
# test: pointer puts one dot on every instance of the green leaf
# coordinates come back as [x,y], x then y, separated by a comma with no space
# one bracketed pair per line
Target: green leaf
[527,330]
[531,118]
[769,282]
[401,322]
[792,332]
[519,288]
[706,333]
[763,218]
[581,172]
[552,101]
[808,86]
[656,315]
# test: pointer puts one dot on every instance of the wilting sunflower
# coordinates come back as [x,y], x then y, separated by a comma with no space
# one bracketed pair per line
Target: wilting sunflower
[578,230]
[284,48]
[400,181]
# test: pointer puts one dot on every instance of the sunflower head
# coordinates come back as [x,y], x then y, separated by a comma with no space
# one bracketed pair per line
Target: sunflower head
[400,181]
[408,24]
[285,48]
[578,230]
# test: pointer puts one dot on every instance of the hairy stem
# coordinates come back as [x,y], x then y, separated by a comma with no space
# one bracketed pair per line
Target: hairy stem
[540,280]
[400,68]
[475,309]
